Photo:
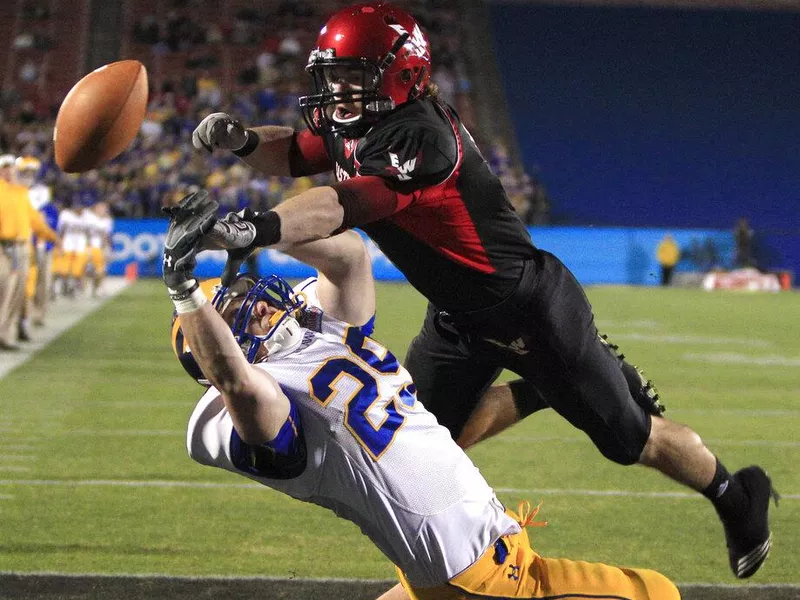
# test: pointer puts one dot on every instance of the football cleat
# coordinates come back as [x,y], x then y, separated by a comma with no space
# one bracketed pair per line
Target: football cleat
[749,539]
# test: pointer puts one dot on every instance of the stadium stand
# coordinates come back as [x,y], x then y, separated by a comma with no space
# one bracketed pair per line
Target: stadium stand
[249,61]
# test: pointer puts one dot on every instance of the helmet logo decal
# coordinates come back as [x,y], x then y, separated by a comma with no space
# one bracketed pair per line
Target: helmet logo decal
[416,43]
[403,172]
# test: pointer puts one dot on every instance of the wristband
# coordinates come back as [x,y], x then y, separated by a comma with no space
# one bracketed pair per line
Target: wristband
[268,228]
[188,300]
[250,144]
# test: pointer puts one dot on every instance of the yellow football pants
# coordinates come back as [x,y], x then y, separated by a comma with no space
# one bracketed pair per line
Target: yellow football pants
[97,261]
[524,574]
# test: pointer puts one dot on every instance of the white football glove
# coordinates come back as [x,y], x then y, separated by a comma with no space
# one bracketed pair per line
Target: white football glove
[219,130]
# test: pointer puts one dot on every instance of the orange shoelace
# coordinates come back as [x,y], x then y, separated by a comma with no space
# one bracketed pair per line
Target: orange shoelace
[526,515]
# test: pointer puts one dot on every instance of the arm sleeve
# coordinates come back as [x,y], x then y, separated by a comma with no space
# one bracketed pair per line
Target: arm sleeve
[368,199]
[308,155]
[411,156]
[39,226]
[282,458]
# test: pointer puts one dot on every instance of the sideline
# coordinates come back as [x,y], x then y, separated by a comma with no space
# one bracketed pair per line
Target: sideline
[62,315]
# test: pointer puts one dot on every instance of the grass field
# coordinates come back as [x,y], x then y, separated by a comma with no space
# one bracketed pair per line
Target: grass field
[95,478]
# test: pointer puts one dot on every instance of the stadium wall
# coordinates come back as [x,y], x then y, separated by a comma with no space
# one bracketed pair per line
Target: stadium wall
[659,117]
[596,255]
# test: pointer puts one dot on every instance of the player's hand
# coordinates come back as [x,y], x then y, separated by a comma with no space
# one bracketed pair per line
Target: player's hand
[239,238]
[233,231]
[190,220]
[219,131]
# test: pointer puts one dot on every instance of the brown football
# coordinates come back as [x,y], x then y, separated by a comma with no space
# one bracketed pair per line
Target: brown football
[100,116]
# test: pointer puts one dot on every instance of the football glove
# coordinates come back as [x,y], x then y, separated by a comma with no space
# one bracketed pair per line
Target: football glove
[190,220]
[219,131]
[236,233]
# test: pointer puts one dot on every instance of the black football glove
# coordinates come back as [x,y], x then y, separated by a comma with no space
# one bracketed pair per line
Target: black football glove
[190,220]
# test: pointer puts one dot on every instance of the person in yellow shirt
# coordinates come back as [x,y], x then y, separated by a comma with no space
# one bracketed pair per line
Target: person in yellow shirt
[7,239]
[19,220]
[668,255]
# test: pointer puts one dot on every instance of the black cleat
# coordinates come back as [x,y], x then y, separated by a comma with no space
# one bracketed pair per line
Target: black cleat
[748,538]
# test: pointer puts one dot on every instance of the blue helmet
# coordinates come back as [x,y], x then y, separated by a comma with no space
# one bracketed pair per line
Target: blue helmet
[276,292]
[284,330]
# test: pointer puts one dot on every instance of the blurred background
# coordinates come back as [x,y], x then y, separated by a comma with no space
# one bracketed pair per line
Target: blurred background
[633,118]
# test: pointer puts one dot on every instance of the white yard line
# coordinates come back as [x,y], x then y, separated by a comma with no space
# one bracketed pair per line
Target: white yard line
[62,315]
[742,412]
[255,486]
[678,338]
[604,324]
[521,439]
[734,358]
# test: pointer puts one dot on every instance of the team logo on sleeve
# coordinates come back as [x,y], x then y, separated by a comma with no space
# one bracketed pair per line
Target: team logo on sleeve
[402,171]
[341,174]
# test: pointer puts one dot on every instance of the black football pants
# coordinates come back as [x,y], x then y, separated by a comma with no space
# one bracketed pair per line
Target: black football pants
[545,333]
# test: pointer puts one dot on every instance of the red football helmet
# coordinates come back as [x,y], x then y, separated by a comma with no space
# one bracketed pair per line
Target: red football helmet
[382,54]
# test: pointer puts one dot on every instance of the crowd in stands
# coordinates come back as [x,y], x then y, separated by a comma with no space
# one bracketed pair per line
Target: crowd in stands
[260,84]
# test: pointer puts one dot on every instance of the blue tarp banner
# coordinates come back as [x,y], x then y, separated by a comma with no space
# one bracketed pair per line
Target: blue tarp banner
[142,241]
[596,255]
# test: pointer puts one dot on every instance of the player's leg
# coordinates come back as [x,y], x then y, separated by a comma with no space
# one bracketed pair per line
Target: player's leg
[44,282]
[99,270]
[587,387]
[510,568]
[563,578]
[27,308]
[78,271]
[449,378]
[8,277]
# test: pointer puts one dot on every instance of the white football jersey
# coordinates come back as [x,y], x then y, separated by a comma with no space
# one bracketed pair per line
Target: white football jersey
[40,195]
[98,228]
[375,455]
[72,231]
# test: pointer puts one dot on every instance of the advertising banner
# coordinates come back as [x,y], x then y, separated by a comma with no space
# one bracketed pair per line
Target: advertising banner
[596,255]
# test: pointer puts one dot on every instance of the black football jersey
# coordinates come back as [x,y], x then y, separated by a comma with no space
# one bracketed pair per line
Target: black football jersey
[458,241]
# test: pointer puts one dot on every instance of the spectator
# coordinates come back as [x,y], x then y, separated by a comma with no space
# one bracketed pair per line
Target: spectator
[743,238]
[668,256]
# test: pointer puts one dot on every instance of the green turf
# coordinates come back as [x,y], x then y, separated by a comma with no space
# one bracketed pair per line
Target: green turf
[107,403]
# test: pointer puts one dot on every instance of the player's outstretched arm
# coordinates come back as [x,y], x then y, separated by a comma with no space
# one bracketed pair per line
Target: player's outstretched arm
[346,288]
[271,149]
[254,400]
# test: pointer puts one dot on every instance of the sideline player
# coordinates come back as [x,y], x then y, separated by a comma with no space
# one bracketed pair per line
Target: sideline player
[305,403]
[411,176]
[99,227]
[40,278]
[71,261]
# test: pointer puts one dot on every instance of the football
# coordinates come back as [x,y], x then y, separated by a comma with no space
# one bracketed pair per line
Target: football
[100,116]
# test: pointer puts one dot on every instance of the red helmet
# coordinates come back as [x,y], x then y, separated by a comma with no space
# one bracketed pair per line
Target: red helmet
[379,46]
